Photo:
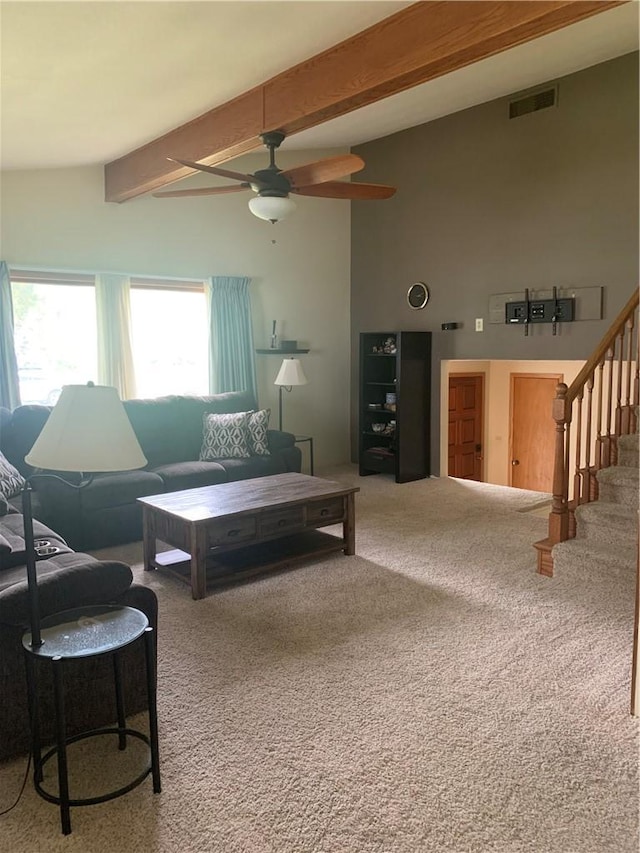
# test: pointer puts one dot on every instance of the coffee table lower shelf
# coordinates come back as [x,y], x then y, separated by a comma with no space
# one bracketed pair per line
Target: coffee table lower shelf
[230,566]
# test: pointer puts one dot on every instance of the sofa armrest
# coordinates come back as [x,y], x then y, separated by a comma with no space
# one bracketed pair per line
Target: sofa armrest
[280,440]
[95,582]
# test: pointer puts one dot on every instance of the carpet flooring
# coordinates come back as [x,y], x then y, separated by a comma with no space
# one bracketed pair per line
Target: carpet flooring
[431,693]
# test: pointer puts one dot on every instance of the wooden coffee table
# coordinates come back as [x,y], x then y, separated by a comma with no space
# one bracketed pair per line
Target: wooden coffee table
[235,530]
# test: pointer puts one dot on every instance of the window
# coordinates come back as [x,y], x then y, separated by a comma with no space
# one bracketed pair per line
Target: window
[56,335]
[170,339]
[55,338]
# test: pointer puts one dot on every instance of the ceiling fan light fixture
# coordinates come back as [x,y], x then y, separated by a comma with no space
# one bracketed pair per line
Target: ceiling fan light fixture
[272,207]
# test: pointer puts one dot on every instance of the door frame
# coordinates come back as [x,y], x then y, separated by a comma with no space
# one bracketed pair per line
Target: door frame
[471,374]
[559,377]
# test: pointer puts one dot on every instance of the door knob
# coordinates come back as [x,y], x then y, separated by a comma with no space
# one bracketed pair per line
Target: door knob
[515,461]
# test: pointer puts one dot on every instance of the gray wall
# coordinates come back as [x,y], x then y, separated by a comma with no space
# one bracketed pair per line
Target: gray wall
[489,205]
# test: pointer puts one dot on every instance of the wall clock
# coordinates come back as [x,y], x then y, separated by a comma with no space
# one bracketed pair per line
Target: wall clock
[418,295]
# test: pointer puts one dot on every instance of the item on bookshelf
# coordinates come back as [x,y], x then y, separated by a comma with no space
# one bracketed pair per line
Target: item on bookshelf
[378,427]
[390,402]
[389,346]
[374,406]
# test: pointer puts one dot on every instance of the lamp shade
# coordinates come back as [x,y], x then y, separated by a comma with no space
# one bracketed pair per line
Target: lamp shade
[272,207]
[290,373]
[87,431]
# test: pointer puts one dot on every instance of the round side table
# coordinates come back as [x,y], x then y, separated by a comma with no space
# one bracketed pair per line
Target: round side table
[82,633]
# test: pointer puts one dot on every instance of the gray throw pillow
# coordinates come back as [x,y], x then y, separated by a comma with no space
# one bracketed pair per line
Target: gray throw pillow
[257,432]
[11,480]
[224,436]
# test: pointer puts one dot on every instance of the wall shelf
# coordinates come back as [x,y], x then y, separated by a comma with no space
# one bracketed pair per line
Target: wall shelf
[278,351]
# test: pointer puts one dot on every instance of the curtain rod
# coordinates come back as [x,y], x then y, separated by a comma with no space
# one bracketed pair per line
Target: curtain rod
[62,271]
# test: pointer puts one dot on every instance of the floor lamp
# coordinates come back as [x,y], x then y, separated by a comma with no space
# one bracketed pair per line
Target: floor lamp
[87,431]
[290,374]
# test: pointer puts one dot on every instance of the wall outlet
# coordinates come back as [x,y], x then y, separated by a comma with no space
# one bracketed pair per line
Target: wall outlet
[479,324]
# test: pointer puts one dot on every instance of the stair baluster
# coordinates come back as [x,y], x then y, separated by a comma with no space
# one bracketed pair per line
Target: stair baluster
[600,420]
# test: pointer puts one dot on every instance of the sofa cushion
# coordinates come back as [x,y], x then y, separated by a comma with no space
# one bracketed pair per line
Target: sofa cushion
[169,428]
[225,436]
[20,433]
[256,466]
[257,432]
[79,581]
[18,573]
[12,534]
[159,427]
[190,475]
[11,480]
[119,488]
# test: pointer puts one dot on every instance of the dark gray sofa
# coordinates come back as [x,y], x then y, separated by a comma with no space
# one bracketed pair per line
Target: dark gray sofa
[65,580]
[170,430]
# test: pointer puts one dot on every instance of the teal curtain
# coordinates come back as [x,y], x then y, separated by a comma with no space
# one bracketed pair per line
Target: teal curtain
[9,385]
[231,352]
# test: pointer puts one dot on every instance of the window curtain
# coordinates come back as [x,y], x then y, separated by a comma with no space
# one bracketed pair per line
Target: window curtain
[231,353]
[115,355]
[9,384]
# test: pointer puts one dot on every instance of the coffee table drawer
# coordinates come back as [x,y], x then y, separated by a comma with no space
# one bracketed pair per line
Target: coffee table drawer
[325,511]
[282,520]
[234,530]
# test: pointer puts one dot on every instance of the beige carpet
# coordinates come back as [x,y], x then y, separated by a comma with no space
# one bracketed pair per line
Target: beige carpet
[430,694]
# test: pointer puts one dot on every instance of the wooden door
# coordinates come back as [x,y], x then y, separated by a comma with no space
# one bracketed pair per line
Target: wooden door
[466,417]
[532,431]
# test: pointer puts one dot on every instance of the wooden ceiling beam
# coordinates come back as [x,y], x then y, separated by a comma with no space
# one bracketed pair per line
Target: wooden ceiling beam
[417,44]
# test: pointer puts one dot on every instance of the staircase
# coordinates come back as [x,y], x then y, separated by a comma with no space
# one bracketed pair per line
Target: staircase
[594,512]
[606,529]
[593,523]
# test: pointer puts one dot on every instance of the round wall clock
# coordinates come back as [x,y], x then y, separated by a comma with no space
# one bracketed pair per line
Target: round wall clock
[418,295]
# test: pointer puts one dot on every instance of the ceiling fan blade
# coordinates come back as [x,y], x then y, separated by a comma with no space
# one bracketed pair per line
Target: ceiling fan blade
[324,170]
[236,188]
[213,170]
[344,189]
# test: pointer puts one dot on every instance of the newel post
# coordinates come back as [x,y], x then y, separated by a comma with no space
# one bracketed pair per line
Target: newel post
[559,515]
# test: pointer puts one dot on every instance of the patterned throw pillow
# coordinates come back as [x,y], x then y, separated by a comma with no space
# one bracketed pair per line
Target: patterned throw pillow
[11,480]
[257,432]
[224,437]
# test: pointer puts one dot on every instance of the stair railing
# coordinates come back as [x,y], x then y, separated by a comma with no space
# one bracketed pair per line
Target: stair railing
[590,415]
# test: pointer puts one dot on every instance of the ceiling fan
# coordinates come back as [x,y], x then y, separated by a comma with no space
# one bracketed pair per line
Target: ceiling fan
[273,185]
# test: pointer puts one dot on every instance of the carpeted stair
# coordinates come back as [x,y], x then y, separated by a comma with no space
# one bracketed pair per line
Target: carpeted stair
[607,529]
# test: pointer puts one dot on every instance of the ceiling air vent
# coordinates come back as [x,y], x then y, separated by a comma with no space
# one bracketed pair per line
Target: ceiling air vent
[533,102]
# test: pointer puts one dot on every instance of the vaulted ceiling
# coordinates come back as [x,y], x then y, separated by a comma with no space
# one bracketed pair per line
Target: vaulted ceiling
[129,84]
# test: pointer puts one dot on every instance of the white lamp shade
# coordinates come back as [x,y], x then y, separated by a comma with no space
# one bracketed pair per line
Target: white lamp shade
[271,207]
[290,373]
[87,431]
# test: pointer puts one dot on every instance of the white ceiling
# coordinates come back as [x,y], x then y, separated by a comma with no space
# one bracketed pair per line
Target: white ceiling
[87,82]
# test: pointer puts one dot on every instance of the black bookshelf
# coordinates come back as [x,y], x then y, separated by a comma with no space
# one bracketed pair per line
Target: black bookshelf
[394,433]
